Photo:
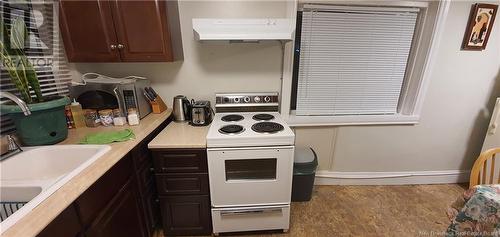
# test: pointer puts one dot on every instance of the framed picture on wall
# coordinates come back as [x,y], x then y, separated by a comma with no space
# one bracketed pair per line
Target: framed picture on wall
[479,26]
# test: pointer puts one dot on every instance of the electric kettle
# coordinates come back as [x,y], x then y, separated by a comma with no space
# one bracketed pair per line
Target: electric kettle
[181,108]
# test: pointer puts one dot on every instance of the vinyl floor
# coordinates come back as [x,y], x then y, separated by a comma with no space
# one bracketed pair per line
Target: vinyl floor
[403,210]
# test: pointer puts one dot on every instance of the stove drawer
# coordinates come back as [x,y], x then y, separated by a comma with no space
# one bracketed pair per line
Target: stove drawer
[250,218]
[180,161]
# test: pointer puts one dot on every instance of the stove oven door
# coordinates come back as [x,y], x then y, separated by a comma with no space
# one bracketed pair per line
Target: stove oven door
[250,176]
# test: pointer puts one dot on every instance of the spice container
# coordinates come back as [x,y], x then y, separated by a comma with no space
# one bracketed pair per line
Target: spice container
[133,117]
[106,116]
[91,118]
[69,117]
[118,119]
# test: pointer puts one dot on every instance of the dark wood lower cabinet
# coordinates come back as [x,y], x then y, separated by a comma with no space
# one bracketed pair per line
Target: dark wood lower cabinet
[120,203]
[122,217]
[152,210]
[68,219]
[186,215]
[184,193]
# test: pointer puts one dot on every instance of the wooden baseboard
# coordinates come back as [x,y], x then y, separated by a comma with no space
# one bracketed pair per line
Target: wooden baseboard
[391,178]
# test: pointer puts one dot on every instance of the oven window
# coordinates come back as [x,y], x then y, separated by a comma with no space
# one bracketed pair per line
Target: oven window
[255,169]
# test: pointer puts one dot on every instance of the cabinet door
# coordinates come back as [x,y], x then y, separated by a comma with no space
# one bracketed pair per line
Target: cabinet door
[87,30]
[142,30]
[121,217]
[67,219]
[186,215]
[151,209]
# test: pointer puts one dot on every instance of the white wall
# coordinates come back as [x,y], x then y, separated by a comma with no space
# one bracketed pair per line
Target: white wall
[452,124]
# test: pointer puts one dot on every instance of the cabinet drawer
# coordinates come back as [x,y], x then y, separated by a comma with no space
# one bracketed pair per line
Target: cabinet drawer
[187,184]
[180,161]
[250,218]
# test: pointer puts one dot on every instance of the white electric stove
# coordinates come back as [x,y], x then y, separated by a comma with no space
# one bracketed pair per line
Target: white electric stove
[250,164]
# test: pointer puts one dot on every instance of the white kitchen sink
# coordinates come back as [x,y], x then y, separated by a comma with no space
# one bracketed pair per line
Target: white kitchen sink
[33,175]
[19,194]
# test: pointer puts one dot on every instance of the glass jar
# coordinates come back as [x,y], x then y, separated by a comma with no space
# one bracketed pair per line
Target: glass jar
[133,117]
[91,118]
[106,116]
[118,119]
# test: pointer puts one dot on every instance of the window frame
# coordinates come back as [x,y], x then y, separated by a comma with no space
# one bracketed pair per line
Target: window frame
[429,25]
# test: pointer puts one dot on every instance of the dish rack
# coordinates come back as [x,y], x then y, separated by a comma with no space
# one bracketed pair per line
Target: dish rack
[8,208]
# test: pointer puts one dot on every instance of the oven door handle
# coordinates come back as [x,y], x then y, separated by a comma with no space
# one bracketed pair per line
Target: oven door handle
[249,211]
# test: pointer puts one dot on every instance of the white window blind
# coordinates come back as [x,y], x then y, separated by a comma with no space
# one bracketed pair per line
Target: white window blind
[54,79]
[353,59]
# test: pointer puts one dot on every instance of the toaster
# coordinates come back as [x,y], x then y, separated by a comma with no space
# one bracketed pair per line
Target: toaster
[201,113]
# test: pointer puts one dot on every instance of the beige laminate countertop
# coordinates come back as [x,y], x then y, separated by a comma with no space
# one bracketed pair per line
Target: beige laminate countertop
[36,220]
[180,135]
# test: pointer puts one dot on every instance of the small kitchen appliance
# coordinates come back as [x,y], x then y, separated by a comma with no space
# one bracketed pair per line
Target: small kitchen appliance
[201,113]
[250,152]
[181,108]
[103,92]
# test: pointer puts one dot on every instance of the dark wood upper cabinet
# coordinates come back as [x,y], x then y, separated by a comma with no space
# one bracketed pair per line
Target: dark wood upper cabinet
[142,29]
[88,32]
[120,30]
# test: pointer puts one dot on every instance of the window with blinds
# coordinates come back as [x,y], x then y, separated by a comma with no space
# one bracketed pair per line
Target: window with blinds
[43,47]
[352,60]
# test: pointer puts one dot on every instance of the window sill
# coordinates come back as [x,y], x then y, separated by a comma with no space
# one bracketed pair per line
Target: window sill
[349,120]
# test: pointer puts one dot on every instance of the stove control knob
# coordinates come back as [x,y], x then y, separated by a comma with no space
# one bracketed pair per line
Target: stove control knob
[237,99]
[267,99]
[256,99]
[246,99]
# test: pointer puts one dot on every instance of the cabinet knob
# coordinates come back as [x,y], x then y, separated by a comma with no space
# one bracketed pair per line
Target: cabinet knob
[152,169]
[121,46]
[113,47]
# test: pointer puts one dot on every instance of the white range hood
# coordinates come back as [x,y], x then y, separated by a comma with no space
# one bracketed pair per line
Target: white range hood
[243,29]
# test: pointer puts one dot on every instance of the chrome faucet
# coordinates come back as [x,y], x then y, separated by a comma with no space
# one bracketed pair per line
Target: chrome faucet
[17,100]
[12,149]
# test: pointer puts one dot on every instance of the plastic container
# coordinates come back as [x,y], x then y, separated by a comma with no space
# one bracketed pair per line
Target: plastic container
[77,113]
[305,163]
